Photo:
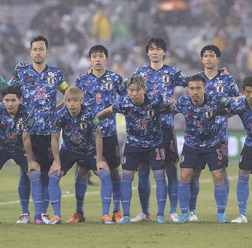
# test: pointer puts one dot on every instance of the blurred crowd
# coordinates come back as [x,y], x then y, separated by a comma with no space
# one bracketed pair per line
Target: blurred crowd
[72,27]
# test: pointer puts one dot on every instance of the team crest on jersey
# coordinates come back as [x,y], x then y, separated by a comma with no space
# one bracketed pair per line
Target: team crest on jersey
[108,84]
[209,114]
[220,88]
[20,125]
[50,80]
[150,113]
[83,125]
[165,77]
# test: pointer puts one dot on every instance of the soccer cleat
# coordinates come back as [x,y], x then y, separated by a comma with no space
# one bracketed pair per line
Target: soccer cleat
[77,217]
[55,220]
[117,216]
[106,220]
[124,220]
[161,219]
[141,217]
[24,219]
[45,218]
[173,217]
[193,217]
[240,219]
[38,220]
[221,218]
[184,218]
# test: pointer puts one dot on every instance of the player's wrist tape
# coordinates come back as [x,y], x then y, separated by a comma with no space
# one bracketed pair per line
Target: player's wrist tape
[96,120]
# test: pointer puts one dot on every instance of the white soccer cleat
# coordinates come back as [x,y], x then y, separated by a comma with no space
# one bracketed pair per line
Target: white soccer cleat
[45,218]
[193,217]
[173,217]
[24,219]
[240,219]
[141,217]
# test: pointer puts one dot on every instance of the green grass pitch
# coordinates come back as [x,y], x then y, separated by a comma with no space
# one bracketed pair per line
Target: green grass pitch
[205,233]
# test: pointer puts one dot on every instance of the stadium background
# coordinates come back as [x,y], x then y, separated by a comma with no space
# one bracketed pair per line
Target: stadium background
[124,26]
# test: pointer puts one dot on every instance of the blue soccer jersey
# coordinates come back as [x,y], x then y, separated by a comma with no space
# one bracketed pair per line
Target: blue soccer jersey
[201,130]
[143,125]
[163,81]
[240,107]
[224,86]
[77,134]
[11,129]
[100,93]
[39,94]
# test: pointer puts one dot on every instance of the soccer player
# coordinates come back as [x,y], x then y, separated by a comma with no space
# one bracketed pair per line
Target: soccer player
[100,88]
[202,144]
[243,107]
[82,140]
[165,78]
[39,83]
[144,140]
[15,142]
[222,85]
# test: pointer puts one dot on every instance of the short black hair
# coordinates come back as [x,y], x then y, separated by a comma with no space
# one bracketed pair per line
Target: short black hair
[98,48]
[159,42]
[247,82]
[213,48]
[40,38]
[12,90]
[197,78]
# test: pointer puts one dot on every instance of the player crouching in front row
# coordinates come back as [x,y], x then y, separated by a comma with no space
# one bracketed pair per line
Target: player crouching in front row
[78,130]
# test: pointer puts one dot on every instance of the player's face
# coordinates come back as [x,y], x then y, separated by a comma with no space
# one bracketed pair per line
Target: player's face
[210,60]
[39,52]
[196,91]
[98,61]
[73,104]
[156,54]
[11,103]
[248,95]
[136,95]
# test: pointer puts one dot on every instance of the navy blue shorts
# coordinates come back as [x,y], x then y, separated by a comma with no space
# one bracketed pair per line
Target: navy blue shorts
[198,158]
[224,150]
[42,150]
[111,151]
[133,156]
[19,158]
[245,161]
[170,145]
[68,159]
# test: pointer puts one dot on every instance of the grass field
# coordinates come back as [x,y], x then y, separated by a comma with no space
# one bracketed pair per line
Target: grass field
[205,233]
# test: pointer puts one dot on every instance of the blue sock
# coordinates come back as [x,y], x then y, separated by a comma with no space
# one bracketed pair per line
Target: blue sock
[116,184]
[243,193]
[55,192]
[220,193]
[24,189]
[172,175]
[144,187]
[36,192]
[45,182]
[126,192]
[226,180]
[81,184]
[195,187]
[161,190]
[106,191]
[184,194]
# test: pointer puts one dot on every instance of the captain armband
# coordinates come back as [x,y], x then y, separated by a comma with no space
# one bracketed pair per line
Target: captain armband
[96,120]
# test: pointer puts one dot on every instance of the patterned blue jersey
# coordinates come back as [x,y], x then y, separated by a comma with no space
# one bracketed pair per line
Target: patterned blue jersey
[39,94]
[143,124]
[163,81]
[240,106]
[201,129]
[100,93]
[77,134]
[11,129]
[225,86]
